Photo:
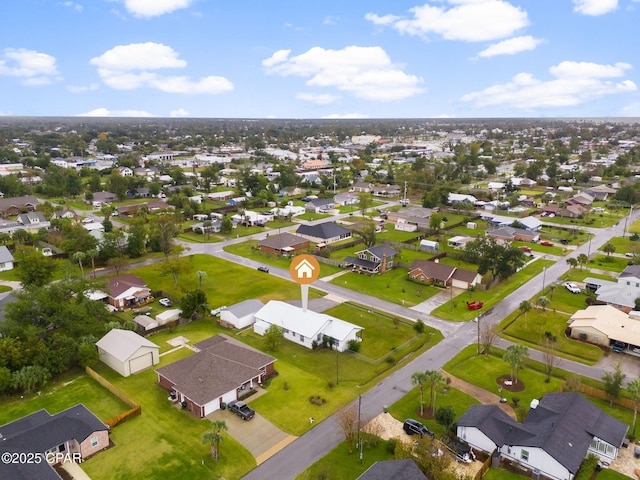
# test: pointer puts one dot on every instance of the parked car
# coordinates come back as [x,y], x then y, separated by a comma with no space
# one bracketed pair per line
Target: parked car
[572,287]
[618,346]
[629,254]
[263,269]
[87,220]
[462,451]
[564,241]
[241,409]
[525,249]
[414,427]
[475,305]
[547,244]
[165,302]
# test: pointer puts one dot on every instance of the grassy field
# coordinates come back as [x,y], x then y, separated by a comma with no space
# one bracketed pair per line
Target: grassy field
[609,263]
[457,310]
[625,245]
[531,329]
[578,275]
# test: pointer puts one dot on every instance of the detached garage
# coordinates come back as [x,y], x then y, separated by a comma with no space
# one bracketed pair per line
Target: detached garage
[126,352]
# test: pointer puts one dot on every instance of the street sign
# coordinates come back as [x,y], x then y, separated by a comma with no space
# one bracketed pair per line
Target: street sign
[304,269]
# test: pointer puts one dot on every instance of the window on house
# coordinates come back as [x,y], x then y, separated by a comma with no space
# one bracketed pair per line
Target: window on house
[94,441]
[524,455]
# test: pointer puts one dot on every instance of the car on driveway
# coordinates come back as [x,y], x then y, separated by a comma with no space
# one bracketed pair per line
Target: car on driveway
[629,255]
[547,244]
[572,287]
[414,427]
[241,409]
[462,451]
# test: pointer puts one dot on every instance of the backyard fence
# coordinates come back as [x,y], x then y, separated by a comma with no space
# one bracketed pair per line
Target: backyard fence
[135,409]
[602,395]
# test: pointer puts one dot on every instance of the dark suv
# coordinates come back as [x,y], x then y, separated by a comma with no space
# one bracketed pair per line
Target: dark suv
[414,427]
[461,450]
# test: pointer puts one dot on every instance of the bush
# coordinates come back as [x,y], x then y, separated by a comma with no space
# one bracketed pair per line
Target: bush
[392,443]
[587,468]
[354,345]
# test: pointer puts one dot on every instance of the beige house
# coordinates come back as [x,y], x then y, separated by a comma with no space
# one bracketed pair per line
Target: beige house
[126,352]
[604,325]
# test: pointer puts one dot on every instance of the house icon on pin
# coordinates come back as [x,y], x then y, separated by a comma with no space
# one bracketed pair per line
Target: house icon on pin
[304,269]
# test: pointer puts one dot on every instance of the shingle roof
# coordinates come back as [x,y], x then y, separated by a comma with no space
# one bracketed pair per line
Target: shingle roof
[405,469]
[120,284]
[438,271]
[220,366]
[382,251]
[245,308]
[5,255]
[282,240]
[324,230]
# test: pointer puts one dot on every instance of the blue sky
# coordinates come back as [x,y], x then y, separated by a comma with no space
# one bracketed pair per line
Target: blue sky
[325,59]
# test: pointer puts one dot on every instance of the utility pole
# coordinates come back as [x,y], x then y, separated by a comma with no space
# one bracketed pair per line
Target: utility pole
[544,275]
[404,198]
[626,219]
[478,321]
[359,442]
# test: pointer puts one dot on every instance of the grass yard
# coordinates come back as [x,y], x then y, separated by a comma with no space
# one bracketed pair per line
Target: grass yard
[395,235]
[578,275]
[62,394]
[562,299]
[532,330]
[146,448]
[194,237]
[409,405]
[340,464]
[311,216]
[625,245]
[609,263]
[240,283]
[458,310]
[392,286]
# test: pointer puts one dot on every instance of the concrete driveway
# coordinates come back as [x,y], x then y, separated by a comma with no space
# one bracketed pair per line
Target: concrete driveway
[257,435]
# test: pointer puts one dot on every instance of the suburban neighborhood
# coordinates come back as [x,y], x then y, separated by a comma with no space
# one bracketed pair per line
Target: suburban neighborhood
[467,306]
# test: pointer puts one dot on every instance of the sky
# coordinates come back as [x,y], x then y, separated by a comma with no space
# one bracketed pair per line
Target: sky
[325,59]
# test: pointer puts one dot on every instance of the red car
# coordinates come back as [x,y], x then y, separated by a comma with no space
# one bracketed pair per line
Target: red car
[525,249]
[546,244]
[475,305]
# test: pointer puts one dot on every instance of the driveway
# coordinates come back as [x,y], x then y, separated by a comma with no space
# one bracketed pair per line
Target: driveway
[257,435]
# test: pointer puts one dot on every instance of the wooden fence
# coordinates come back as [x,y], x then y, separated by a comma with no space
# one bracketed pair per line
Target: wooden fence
[135,409]
[602,395]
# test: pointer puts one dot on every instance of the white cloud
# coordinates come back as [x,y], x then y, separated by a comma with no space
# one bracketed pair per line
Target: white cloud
[103,112]
[154,8]
[594,7]
[345,116]
[319,98]
[365,72]
[180,112]
[34,68]
[575,83]
[511,46]
[128,67]
[74,6]
[466,20]
[83,88]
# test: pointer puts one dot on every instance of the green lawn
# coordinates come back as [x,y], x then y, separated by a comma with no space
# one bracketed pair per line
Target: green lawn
[578,275]
[311,216]
[457,310]
[392,286]
[531,331]
[149,448]
[609,263]
[562,299]
[625,245]
[194,237]
[395,235]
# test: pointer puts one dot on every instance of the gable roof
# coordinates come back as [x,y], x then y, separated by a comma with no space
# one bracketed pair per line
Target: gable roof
[381,251]
[121,344]
[120,284]
[282,240]
[510,232]
[245,308]
[18,202]
[405,469]
[5,254]
[439,271]
[323,230]
[220,366]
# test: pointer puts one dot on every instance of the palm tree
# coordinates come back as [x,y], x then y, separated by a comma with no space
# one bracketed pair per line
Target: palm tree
[543,302]
[418,378]
[201,274]
[515,356]
[214,437]
[434,378]
[525,306]
[608,248]
[582,260]
[573,263]
[552,288]
[78,257]
[93,254]
[633,389]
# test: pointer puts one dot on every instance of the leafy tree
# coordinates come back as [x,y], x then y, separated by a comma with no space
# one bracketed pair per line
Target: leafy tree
[226,225]
[419,378]
[137,239]
[549,357]
[364,202]
[613,382]
[572,262]
[87,355]
[33,268]
[445,416]
[366,231]
[273,337]
[347,418]
[214,437]
[609,248]
[117,264]
[164,228]
[515,356]
[30,377]
[194,304]
[5,379]
[419,327]
[435,220]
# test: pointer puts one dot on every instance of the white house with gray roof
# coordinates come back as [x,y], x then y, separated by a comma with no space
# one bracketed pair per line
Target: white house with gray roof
[6,259]
[305,327]
[126,352]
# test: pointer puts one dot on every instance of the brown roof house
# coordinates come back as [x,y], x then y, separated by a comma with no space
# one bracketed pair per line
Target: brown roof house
[127,291]
[284,244]
[429,271]
[72,435]
[511,234]
[15,205]
[220,371]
